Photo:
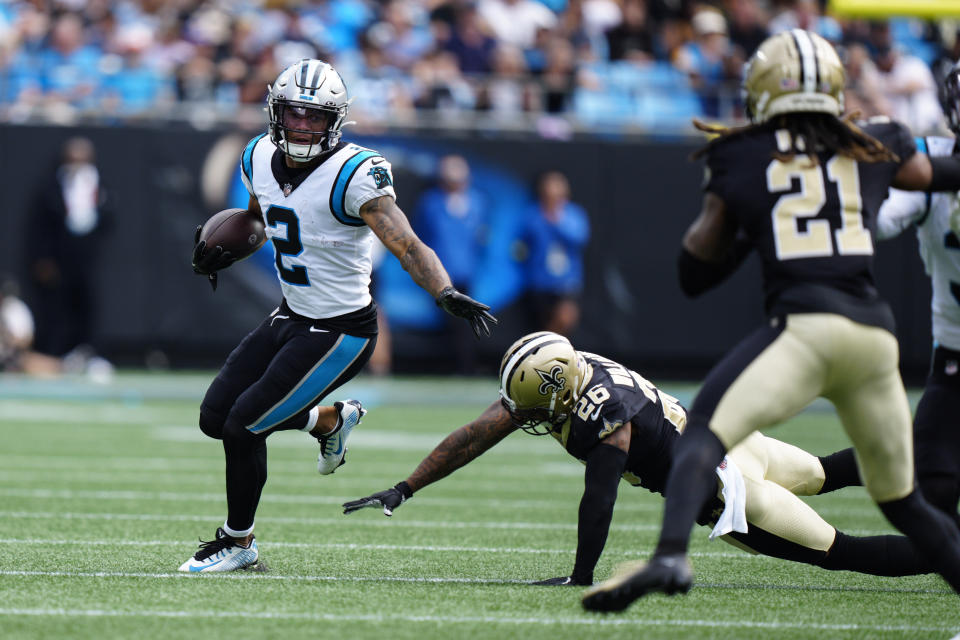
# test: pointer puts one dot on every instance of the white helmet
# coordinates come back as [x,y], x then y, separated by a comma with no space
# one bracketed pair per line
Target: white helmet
[307,104]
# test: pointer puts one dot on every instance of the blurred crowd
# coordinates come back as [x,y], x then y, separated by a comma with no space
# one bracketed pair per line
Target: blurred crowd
[550,64]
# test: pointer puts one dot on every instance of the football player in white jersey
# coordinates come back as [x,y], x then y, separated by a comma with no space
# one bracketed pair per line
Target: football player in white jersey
[322,201]
[936,217]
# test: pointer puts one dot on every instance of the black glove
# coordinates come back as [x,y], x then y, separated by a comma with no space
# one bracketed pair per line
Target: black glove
[207,263]
[563,581]
[389,499]
[463,306]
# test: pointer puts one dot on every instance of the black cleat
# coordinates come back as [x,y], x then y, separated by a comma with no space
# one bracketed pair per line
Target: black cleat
[669,574]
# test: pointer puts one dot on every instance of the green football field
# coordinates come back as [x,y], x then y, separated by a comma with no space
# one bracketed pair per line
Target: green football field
[104,491]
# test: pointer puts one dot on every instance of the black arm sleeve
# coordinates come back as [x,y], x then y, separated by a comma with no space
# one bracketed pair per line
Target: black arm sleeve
[605,465]
[697,276]
[946,173]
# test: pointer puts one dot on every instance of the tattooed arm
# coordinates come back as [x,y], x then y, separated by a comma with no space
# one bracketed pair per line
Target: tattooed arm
[462,446]
[390,224]
[456,450]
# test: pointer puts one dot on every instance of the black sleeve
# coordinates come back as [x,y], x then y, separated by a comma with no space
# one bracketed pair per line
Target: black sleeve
[605,465]
[946,173]
[697,276]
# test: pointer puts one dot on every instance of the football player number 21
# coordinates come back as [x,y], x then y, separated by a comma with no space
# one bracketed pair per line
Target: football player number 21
[815,240]
[290,246]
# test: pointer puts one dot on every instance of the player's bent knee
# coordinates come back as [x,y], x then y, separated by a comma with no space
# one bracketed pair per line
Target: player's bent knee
[211,423]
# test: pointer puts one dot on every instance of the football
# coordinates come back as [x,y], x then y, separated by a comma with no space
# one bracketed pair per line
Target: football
[236,230]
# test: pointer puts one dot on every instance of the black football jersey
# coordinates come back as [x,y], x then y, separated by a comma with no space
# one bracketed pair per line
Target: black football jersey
[812,224]
[615,397]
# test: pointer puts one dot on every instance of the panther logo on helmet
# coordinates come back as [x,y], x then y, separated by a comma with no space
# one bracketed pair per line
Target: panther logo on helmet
[792,72]
[540,379]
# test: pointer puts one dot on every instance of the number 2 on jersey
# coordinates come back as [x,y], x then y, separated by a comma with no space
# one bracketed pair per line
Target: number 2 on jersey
[815,242]
[290,246]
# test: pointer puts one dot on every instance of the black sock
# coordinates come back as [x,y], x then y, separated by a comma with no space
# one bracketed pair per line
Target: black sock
[876,555]
[932,533]
[246,470]
[691,482]
[841,470]
[942,490]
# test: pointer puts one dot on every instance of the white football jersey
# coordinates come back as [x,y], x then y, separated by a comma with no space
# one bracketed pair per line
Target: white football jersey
[937,218]
[323,248]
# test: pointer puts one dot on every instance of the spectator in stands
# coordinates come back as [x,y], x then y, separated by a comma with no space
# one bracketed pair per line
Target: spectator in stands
[748,26]
[552,239]
[451,217]
[64,230]
[507,92]
[404,38]
[516,22]
[633,38]
[69,67]
[709,61]
[805,14]
[470,42]
[905,83]
[863,91]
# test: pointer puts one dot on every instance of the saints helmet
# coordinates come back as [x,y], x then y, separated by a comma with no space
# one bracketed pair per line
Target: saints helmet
[540,377]
[950,97]
[793,71]
[307,92]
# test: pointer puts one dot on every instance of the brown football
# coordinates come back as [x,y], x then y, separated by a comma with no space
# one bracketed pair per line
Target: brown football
[236,230]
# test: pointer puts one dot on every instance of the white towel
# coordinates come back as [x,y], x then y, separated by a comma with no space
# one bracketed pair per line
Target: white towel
[734,516]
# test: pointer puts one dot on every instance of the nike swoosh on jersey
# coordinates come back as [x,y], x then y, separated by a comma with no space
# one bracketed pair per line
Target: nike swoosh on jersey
[596,414]
[376,161]
[315,330]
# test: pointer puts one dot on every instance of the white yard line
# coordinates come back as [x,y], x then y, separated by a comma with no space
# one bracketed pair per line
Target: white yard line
[586,619]
[355,520]
[350,546]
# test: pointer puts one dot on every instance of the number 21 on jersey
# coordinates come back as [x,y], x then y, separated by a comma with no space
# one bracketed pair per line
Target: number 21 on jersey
[816,241]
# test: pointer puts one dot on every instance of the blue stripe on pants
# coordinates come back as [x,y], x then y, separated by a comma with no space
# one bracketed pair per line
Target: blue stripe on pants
[314,384]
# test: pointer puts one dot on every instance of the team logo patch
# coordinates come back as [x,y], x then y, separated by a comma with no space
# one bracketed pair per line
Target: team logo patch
[380,176]
[552,380]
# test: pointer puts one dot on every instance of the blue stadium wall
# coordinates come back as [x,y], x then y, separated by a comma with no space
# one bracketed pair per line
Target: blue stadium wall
[640,197]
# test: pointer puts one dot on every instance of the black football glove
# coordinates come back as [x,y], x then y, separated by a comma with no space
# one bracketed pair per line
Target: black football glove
[207,263]
[463,306]
[389,499]
[563,581]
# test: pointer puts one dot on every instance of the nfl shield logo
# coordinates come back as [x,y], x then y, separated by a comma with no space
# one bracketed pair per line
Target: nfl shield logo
[287,188]
[951,368]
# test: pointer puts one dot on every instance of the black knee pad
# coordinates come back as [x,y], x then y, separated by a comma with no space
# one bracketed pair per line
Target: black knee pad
[211,423]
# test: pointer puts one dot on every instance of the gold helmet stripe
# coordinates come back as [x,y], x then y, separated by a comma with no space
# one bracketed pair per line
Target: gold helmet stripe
[808,59]
[523,351]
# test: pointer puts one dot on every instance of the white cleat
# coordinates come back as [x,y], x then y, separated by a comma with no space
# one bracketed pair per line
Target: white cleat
[222,554]
[333,446]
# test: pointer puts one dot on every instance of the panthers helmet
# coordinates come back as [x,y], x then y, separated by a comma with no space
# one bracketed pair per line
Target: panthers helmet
[307,105]
[793,71]
[540,377]
[950,97]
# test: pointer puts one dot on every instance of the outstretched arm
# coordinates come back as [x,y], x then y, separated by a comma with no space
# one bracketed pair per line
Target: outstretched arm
[457,449]
[605,464]
[390,224]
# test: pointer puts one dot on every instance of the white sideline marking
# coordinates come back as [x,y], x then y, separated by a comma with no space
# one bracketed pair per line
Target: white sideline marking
[378,522]
[586,619]
[352,546]
[499,503]
[354,520]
